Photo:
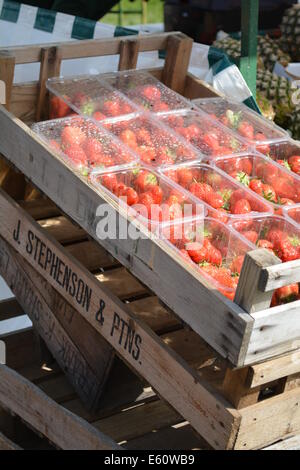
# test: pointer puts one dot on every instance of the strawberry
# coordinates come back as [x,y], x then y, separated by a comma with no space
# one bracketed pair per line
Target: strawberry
[92,147]
[266,244]
[294,162]
[109,181]
[251,235]
[211,141]
[146,200]
[147,154]
[242,206]
[246,130]
[201,190]
[257,186]
[237,264]
[111,108]
[72,136]
[128,137]
[263,148]
[55,145]
[98,116]
[160,106]
[220,215]
[157,194]
[214,199]
[143,136]
[287,293]
[283,188]
[269,193]
[151,93]
[132,196]
[197,252]
[185,177]
[76,154]
[145,180]
[58,107]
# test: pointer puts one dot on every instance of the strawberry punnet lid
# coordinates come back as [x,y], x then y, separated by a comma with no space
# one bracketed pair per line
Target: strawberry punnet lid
[146,91]
[212,249]
[87,96]
[236,116]
[204,133]
[83,145]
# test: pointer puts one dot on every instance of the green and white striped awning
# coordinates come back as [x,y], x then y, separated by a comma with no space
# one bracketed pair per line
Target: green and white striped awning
[23,25]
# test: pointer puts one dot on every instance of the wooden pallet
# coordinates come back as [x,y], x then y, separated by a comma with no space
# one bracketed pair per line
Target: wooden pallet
[191,376]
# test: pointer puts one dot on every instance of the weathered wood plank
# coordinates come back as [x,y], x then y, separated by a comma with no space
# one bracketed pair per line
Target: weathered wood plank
[7,444]
[66,334]
[134,341]
[60,426]
[179,48]
[268,371]
[129,51]
[292,443]
[248,294]
[274,277]
[227,330]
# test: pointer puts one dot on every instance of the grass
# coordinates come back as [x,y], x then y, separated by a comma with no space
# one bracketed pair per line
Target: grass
[155,13]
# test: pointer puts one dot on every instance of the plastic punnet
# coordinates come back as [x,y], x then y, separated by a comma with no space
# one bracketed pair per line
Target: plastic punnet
[87,96]
[279,186]
[224,198]
[253,127]
[215,250]
[274,233]
[205,133]
[83,145]
[154,143]
[146,91]
[149,197]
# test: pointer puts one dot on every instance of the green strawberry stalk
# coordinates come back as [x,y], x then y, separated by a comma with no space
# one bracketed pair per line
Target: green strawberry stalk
[234,118]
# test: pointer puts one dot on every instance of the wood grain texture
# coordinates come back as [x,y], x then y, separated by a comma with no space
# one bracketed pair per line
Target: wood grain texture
[134,341]
[129,51]
[274,277]
[60,426]
[178,53]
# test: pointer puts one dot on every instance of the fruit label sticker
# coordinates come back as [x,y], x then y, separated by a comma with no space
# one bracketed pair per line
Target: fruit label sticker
[2,352]
[2,92]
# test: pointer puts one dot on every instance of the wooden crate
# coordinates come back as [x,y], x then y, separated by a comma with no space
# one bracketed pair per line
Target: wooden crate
[242,408]
[244,334]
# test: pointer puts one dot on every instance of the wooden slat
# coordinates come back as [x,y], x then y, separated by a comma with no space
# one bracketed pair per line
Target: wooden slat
[133,340]
[129,51]
[63,230]
[292,443]
[40,208]
[227,329]
[66,334]
[91,255]
[274,277]
[50,67]
[87,48]
[236,388]
[57,424]
[268,371]
[276,331]
[7,444]
[179,48]
[7,70]
[248,294]
[268,421]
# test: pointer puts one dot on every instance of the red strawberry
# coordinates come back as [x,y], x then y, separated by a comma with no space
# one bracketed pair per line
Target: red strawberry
[263,148]
[197,252]
[257,186]
[287,293]
[151,93]
[157,194]
[143,136]
[269,193]
[237,264]
[58,107]
[201,190]
[294,162]
[128,137]
[251,235]
[160,106]
[111,108]
[185,177]
[266,244]
[215,200]
[72,136]
[77,154]
[109,181]
[98,116]
[241,207]
[246,130]
[147,154]
[211,140]
[132,196]
[145,180]
[284,188]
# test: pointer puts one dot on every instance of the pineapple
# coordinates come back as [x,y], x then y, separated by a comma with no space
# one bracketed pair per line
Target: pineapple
[294,126]
[290,28]
[265,106]
[278,91]
[268,51]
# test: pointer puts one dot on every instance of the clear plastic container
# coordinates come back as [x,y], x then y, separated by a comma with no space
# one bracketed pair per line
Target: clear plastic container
[215,250]
[149,197]
[292,214]
[274,233]
[83,145]
[287,154]
[268,179]
[154,143]
[87,96]
[253,127]
[224,198]
[205,134]
[146,91]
